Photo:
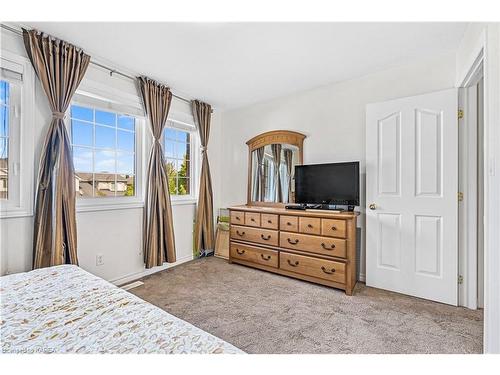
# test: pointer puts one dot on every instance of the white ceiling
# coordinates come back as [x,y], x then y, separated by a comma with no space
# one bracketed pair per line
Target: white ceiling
[236,64]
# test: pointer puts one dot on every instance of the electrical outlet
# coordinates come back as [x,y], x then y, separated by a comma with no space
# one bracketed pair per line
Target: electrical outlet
[99,260]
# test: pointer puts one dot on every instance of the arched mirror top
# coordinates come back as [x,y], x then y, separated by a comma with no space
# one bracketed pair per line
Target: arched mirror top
[277,136]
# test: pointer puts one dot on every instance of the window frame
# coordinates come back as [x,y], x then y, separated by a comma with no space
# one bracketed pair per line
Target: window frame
[114,203]
[194,160]
[22,162]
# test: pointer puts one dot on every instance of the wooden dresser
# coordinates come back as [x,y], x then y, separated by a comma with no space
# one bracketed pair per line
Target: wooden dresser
[313,245]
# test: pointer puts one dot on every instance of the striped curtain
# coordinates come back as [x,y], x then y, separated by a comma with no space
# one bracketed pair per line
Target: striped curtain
[278,193]
[158,228]
[288,156]
[60,67]
[204,225]
[259,184]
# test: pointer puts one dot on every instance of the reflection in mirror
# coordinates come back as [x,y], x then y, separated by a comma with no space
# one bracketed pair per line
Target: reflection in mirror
[273,166]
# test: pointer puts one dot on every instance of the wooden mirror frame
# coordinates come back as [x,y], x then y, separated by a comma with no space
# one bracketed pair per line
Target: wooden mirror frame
[268,138]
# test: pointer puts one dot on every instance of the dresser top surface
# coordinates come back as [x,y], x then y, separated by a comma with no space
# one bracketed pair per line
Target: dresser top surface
[284,211]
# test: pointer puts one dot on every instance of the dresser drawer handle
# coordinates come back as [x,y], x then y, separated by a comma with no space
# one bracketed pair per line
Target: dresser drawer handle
[241,252]
[332,246]
[334,228]
[265,238]
[292,242]
[309,225]
[325,270]
[288,223]
[294,264]
[269,221]
[252,219]
[268,257]
[240,233]
[238,218]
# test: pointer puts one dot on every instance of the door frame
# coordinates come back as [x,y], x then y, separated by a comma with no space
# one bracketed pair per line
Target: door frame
[487,48]
[468,174]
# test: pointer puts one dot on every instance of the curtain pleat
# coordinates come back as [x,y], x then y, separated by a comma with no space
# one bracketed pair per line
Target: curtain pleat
[258,191]
[288,155]
[276,150]
[204,225]
[158,229]
[60,67]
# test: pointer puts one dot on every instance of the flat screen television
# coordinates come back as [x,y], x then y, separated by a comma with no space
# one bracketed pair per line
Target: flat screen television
[327,184]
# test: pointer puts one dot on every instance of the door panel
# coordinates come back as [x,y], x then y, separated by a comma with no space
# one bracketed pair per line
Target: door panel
[389,245]
[428,246]
[429,128]
[411,196]
[389,173]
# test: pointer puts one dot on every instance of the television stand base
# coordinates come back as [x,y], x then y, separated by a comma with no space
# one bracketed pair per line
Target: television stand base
[302,207]
[319,207]
[328,210]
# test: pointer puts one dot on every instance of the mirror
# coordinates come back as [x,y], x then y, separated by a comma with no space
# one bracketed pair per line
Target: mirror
[272,173]
[272,160]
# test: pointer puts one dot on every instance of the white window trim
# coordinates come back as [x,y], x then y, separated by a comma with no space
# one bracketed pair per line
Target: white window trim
[95,90]
[117,203]
[25,205]
[195,158]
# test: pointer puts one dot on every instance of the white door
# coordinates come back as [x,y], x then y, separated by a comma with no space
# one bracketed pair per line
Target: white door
[411,196]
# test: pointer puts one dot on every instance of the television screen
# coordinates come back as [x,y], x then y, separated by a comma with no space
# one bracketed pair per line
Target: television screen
[335,183]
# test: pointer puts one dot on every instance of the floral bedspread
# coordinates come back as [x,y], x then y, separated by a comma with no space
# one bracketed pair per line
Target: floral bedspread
[65,309]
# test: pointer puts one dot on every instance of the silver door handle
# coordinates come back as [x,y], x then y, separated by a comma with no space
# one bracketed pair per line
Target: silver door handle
[372,206]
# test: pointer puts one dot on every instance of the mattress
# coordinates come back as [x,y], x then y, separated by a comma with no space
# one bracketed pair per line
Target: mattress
[65,309]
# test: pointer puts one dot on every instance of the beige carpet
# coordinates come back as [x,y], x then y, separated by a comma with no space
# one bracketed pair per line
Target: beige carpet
[260,312]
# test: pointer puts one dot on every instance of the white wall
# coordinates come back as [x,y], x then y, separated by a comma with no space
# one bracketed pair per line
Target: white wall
[332,117]
[116,234]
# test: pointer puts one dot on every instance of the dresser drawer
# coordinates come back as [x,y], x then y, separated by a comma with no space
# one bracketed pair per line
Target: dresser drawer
[313,244]
[320,268]
[310,225]
[263,236]
[289,223]
[237,217]
[333,228]
[269,221]
[254,254]
[252,219]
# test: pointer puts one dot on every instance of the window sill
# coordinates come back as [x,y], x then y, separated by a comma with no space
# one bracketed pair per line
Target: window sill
[11,214]
[107,206]
[176,201]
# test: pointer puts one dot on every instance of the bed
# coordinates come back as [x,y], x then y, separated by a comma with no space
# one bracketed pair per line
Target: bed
[65,309]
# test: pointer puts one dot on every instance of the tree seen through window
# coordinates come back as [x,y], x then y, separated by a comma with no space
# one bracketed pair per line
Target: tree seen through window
[177,145]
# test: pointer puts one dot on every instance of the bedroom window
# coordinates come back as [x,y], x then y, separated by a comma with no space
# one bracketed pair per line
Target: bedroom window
[17,105]
[104,152]
[178,146]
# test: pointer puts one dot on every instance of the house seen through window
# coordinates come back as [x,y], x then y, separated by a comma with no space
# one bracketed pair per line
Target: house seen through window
[4,139]
[104,150]
[177,147]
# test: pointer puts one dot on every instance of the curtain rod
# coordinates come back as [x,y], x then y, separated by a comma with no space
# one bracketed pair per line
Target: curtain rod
[111,70]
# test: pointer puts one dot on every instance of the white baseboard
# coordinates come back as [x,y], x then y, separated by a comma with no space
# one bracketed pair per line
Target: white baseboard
[137,275]
[132,285]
